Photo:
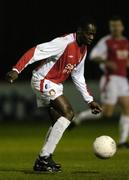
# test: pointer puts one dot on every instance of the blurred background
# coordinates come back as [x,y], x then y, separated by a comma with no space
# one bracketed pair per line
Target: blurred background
[27,23]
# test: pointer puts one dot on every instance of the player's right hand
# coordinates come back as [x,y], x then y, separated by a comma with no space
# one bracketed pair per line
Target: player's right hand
[11,76]
[95,107]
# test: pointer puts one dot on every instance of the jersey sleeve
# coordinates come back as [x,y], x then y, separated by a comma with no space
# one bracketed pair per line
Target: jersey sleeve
[100,50]
[79,81]
[42,51]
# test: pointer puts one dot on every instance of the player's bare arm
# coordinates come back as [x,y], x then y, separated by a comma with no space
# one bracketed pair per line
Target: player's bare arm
[112,66]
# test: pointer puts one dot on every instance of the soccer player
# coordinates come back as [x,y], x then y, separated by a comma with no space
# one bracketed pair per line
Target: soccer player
[59,58]
[112,52]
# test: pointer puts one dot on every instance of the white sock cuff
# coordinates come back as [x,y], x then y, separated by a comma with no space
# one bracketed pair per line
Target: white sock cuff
[64,121]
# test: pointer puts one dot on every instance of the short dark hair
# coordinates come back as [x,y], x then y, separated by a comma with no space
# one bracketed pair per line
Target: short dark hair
[116,18]
[85,21]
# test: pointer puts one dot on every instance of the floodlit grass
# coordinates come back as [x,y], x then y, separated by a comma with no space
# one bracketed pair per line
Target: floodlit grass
[21,142]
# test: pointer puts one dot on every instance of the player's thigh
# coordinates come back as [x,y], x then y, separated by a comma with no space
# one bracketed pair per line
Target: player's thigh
[124,95]
[108,109]
[42,99]
[124,103]
[63,107]
[50,91]
[109,91]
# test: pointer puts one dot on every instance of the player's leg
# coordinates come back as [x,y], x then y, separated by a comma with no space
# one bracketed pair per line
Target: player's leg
[53,96]
[43,102]
[124,103]
[39,163]
[108,99]
[54,115]
[86,115]
[116,88]
[63,107]
[61,111]
[124,122]
[109,95]
[108,110]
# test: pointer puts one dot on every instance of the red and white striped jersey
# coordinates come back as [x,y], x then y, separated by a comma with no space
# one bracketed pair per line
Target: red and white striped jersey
[59,58]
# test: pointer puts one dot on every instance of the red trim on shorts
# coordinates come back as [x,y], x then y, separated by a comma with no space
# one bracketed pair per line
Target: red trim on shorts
[106,82]
[41,85]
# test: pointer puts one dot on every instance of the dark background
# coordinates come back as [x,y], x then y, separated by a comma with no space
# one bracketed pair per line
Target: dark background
[29,22]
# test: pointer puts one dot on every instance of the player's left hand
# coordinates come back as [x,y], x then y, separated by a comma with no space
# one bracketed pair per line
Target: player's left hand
[95,107]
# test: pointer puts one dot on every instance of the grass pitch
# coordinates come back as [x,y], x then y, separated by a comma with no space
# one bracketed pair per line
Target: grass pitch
[21,142]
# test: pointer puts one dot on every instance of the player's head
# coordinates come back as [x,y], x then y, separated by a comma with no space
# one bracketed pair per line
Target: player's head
[116,26]
[86,31]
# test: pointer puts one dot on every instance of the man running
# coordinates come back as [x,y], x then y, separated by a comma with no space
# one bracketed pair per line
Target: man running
[59,58]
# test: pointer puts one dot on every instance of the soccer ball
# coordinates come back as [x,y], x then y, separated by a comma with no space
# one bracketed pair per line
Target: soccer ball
[104,147]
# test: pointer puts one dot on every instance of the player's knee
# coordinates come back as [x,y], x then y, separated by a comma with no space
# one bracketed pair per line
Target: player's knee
[107,114]
[69,114]
[125,109]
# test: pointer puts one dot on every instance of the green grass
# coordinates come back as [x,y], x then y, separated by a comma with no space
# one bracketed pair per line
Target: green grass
[21,142]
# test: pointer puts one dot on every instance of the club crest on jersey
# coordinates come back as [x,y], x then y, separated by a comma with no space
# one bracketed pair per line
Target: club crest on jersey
[52,92]
[68,68]
[122,54]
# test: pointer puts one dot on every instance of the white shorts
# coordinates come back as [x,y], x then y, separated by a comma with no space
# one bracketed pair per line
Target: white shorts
[49,92]
[113,88]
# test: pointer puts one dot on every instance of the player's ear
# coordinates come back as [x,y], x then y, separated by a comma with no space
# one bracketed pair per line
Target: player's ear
[79,30]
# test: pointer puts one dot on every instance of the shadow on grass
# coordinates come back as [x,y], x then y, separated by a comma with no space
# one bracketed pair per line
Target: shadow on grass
[23,171]
[41,173]
[85,172]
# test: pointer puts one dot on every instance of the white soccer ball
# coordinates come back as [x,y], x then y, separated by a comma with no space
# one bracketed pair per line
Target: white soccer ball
[104,147]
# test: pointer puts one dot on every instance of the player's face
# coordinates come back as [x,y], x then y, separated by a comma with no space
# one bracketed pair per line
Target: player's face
[116,28]
[89,34]
[86,36]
